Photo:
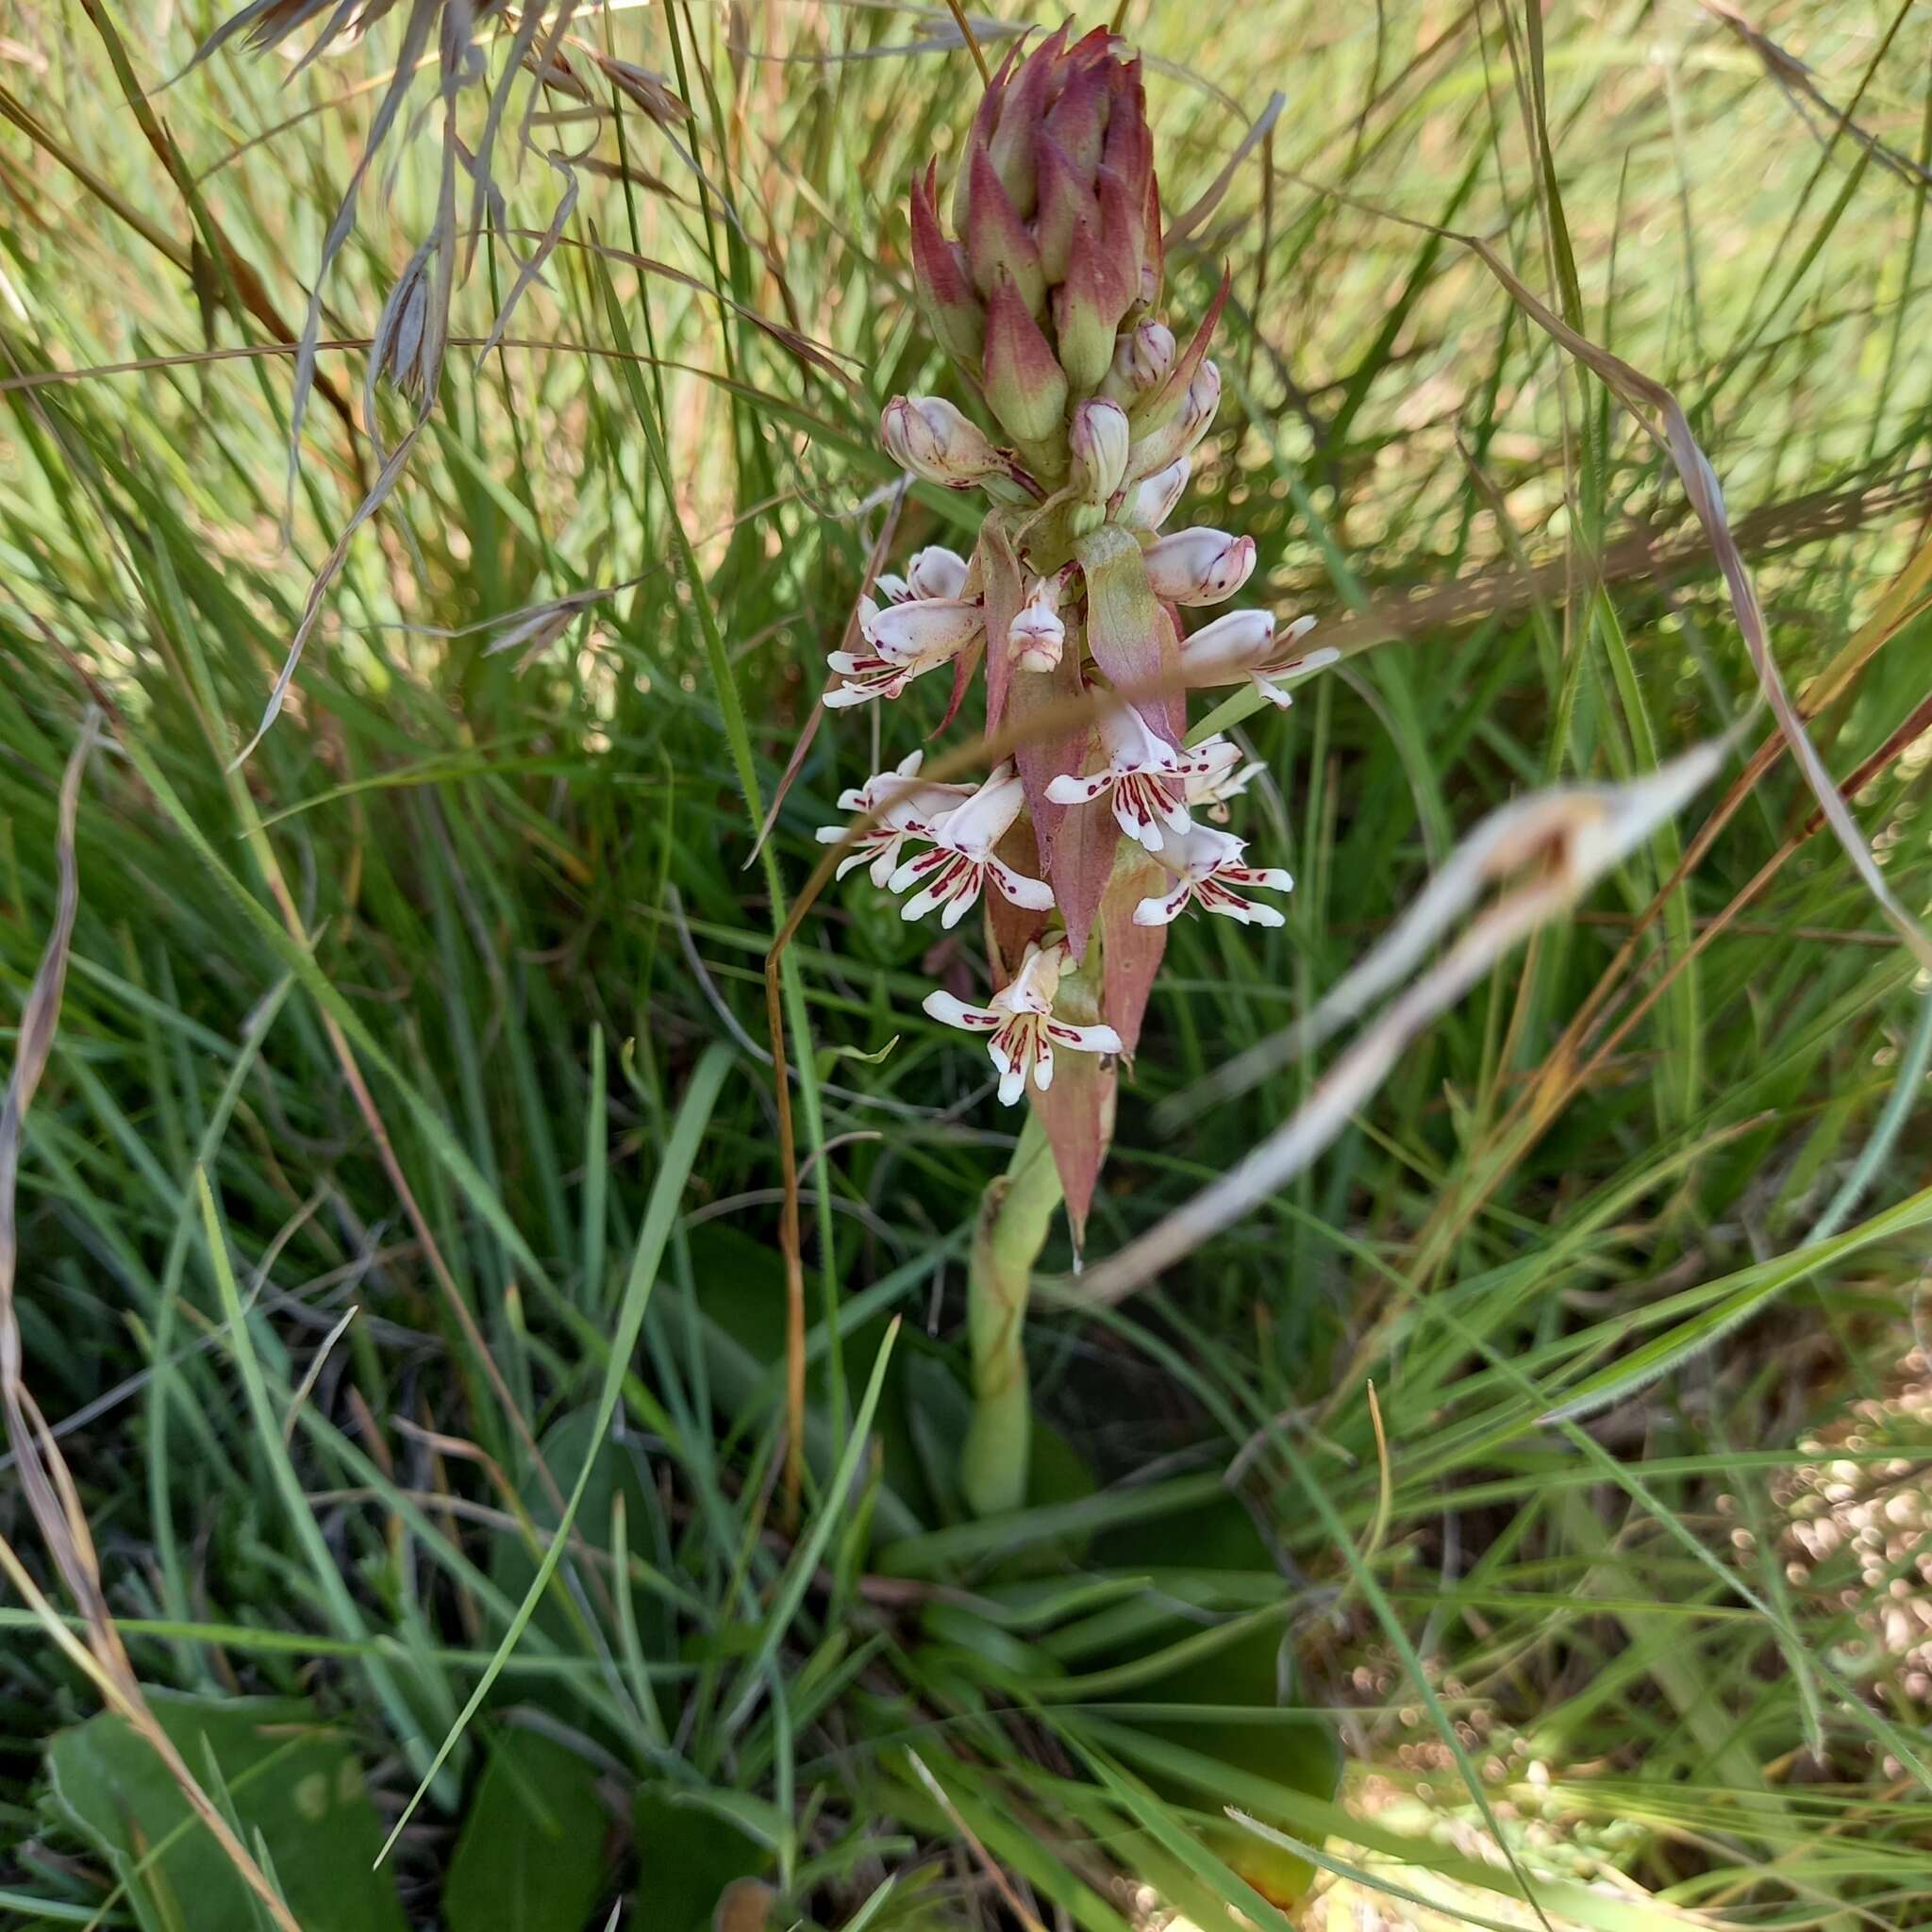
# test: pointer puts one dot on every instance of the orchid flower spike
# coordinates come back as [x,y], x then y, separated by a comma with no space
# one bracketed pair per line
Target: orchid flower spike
[1207,872]
[1245,645]
[1143,772]
[901,807]
[953,873]
[1020,1031]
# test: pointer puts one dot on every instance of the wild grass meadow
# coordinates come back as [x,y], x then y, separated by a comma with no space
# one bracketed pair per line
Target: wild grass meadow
[489,1446]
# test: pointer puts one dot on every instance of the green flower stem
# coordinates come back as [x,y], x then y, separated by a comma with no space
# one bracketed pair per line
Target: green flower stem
[1014,1215]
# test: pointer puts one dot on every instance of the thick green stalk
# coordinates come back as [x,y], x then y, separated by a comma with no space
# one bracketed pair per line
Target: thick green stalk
[1014,1215]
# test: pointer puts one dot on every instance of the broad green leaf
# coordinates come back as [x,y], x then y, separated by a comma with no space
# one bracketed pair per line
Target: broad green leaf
[688,1849]
[297,1789]
[530,1856]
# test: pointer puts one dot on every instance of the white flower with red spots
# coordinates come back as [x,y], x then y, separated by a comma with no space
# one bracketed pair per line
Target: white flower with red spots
[1207,872]
[1199,566]
[902,808]
[1019,1024]
[951,876]
[1245,645]
[1211,789]
[904,640]
[918,626]
[1143,772]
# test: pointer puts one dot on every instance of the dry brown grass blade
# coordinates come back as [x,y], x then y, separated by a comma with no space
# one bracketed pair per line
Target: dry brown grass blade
[1639,392]
[45,1477]
[377,495]
[48,1491]
[1547,1102]
[969,40]
[235,270]
[1557,843]
[1425,611]
[1576,1058]
[1794,79]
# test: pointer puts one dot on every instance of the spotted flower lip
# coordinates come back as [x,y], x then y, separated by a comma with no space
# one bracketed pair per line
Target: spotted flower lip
[1246,645]
[1018,1022]
[902,808]
[1199,566]
[1207,872]
[1143,772]
[953,873]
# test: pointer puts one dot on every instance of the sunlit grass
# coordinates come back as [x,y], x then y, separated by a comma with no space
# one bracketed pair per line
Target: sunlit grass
[510,887]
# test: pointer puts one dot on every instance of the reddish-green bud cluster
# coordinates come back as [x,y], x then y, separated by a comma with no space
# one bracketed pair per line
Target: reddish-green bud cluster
[1055,242]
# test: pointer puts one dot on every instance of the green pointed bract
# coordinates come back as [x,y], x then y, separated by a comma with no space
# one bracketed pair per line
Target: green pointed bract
[1026,388]
[1011,148]
[946,295]
[998,242]
[1086,314]
[1133,644]
[1065,203]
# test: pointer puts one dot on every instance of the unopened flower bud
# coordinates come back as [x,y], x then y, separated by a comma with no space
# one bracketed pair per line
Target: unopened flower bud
[1180,433]
[1143,359]
[1150,503]
[921,626]
[1037,636]
[1199,566]
[929,437]
[936,571]
[1098,442]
